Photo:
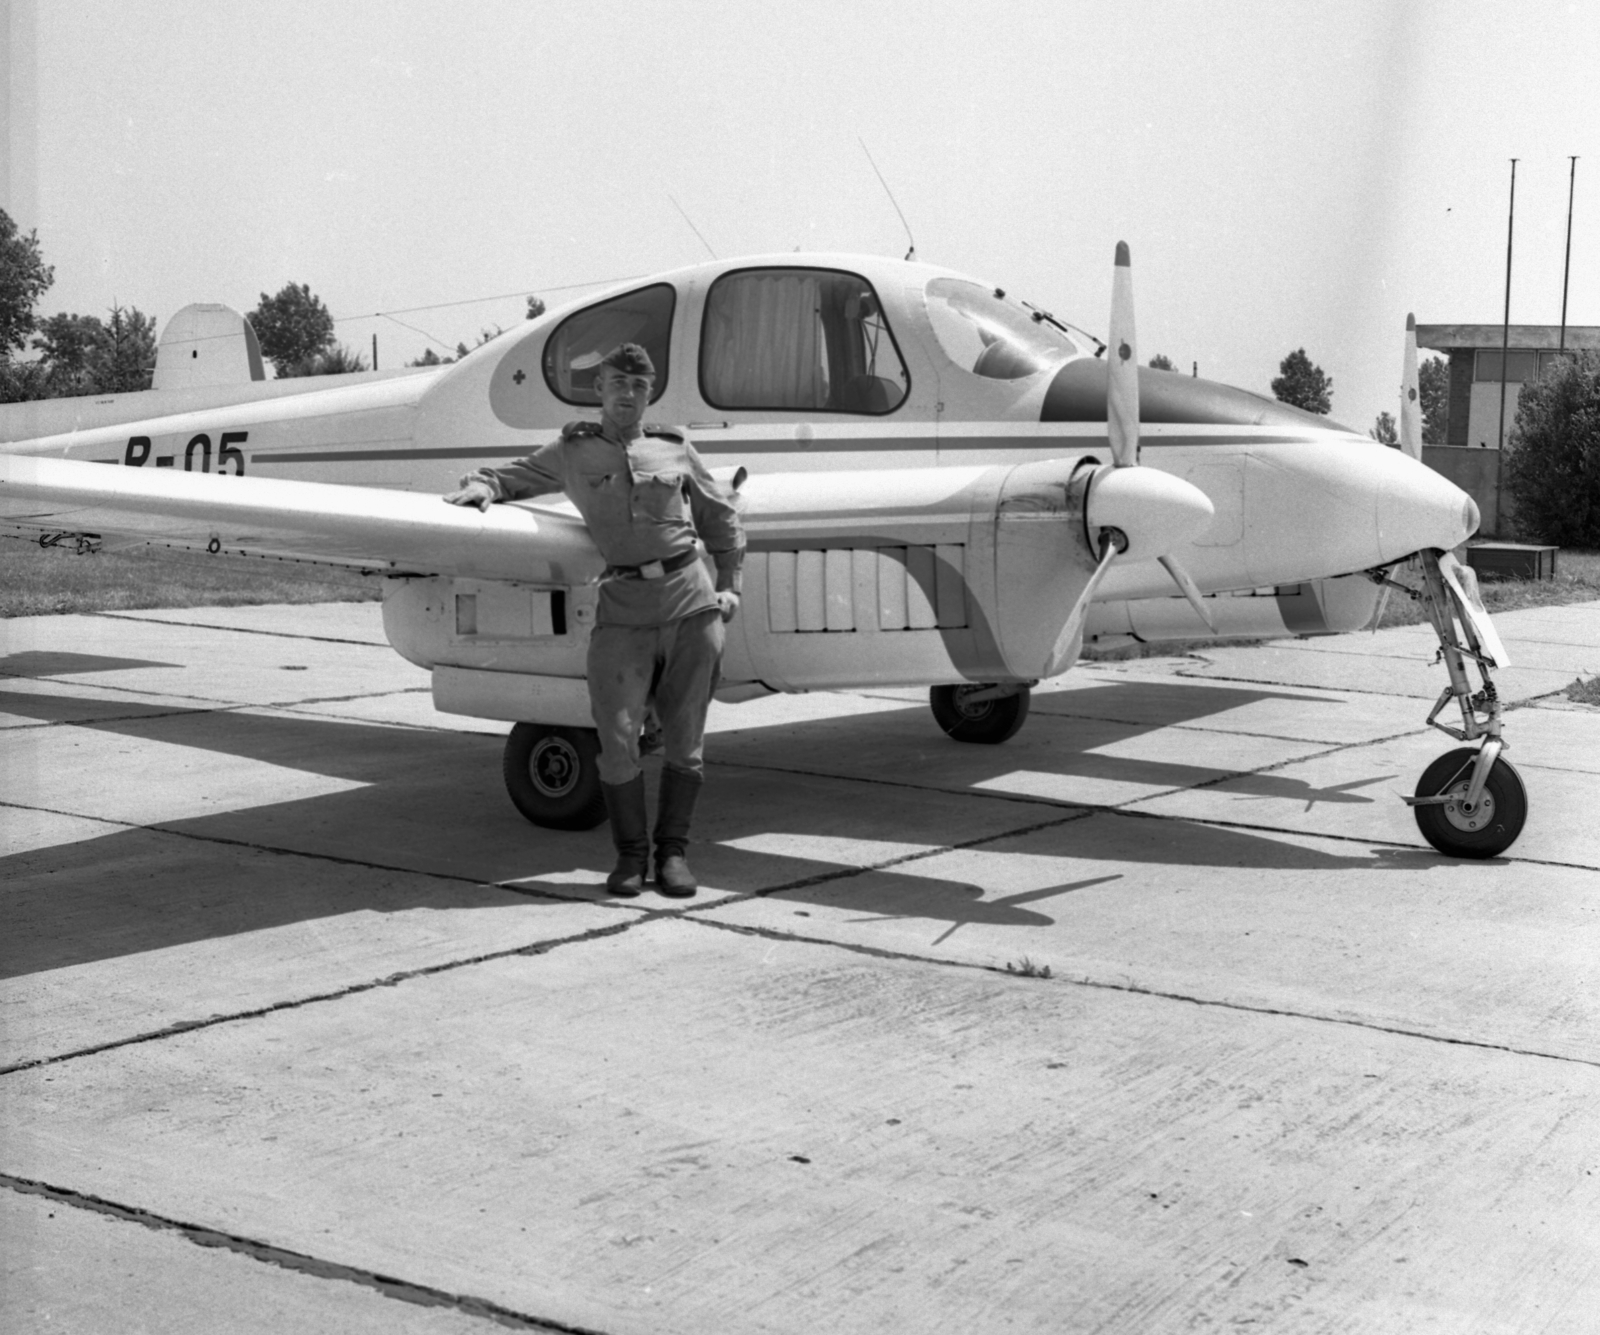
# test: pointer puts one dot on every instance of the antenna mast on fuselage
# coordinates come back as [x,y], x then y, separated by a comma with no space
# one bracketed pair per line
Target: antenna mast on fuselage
[912,253]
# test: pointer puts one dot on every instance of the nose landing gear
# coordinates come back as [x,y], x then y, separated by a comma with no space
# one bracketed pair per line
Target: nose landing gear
[1470,803]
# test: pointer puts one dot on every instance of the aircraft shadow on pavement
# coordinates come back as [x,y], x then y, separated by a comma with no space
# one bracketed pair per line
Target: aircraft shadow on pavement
[1066,739]
[429,826]
[49,663]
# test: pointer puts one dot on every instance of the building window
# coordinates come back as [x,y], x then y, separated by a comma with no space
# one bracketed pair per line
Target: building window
[804,340]
[1521,365]
[572,354]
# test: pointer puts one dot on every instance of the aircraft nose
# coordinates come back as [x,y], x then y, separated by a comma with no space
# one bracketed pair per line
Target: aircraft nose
[1421,508]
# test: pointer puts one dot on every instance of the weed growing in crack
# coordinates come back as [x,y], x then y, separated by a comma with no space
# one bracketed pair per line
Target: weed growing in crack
[1026,968]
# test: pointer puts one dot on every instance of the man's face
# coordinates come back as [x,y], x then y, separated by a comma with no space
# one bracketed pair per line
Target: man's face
[623,397]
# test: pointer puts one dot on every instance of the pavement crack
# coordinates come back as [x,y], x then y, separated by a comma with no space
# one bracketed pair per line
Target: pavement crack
[1136,989]
[390,1286]
[845,873]
[335,994]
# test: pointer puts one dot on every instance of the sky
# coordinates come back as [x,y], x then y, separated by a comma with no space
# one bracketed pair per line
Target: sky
[1287,174]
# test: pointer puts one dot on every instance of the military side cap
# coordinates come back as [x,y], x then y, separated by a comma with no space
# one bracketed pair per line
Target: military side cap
[630,359]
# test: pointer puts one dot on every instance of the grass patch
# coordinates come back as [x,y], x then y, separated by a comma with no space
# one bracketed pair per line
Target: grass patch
[1585,692]
[1577,581]
[40,581]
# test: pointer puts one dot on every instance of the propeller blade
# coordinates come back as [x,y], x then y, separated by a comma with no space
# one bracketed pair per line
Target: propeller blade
[1410,400]
[1122,367]
[1069,644]
[1191,591]
[1377,612]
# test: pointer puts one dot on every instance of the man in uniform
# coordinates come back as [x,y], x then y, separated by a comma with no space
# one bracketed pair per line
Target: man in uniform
[646,497]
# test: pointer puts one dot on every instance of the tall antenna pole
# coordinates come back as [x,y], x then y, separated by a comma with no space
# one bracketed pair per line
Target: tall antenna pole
[1505,334]
[1566,271]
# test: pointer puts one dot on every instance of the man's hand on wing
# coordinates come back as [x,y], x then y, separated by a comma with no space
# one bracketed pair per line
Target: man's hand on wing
[728,601]
[474,491]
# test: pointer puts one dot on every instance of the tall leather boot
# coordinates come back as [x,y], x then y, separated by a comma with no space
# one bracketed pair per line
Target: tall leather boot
[630,832]
[674,813]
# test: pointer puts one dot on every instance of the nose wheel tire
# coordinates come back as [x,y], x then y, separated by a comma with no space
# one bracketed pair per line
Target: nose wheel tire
[552,775]
[989,721]
[1482,831]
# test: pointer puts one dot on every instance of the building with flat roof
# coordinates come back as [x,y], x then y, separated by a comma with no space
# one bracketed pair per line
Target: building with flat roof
[1474,351]
[1470,456]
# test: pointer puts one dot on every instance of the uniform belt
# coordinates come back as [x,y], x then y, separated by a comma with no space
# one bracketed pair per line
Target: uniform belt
[653,569]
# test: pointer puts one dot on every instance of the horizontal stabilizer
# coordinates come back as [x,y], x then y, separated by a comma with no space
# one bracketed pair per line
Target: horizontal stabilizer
[207,344]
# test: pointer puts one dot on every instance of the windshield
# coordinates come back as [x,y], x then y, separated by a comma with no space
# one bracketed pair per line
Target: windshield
[980,331]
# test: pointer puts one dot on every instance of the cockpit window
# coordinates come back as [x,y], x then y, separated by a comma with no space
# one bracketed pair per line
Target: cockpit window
[572,354]
[980,331]
[811,340]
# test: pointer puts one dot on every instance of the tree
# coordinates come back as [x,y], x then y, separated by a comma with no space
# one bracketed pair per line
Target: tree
[535,307]
[1552,468]
[1433,388]
[65,343]
[1383,430]
[431,358]
[1162,362]
[81,354]
[24,278]
[124,359]
[1302,384]
[292,327]
[335,359]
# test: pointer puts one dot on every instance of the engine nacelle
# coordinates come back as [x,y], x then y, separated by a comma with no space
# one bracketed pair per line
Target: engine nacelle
[909,577]
[900,577]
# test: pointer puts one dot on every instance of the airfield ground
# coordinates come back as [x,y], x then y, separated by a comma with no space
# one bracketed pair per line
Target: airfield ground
[1159,1018]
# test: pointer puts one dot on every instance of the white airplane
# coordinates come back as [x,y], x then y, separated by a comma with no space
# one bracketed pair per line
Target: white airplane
[943,486]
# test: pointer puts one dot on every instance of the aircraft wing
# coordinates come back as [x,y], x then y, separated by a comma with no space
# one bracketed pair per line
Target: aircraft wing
[368,528]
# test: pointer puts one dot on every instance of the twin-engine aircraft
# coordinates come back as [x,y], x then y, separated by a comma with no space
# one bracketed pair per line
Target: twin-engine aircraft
[943,486]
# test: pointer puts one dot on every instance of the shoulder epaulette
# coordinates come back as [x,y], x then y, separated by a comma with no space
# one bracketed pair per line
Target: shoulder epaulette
[579,429]
[676,433]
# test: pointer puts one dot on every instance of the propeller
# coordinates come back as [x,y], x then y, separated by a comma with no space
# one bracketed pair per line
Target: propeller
[1130,508]
[1410,400]
[1410,432]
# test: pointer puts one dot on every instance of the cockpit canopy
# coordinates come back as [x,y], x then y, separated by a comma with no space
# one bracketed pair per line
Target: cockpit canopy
[789,337]
[983,333]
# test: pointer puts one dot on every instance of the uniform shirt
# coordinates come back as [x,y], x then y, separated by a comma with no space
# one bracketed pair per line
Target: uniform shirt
[643,501]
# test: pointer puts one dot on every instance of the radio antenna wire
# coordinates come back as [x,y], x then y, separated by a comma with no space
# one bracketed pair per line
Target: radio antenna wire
[912,253]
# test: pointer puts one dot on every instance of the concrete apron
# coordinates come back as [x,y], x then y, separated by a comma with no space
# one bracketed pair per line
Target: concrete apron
[283,964]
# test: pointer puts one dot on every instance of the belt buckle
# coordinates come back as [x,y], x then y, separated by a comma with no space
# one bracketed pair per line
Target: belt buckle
[652,570]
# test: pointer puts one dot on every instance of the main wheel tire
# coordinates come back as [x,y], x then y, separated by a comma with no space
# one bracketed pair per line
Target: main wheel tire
[989,721]
[553,775]
[1483,832]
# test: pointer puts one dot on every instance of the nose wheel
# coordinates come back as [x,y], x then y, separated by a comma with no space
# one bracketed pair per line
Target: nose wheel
[1470,803]
[1453,822]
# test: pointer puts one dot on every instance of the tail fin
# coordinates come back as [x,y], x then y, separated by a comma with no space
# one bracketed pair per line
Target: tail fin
[1410,402]
[207,344]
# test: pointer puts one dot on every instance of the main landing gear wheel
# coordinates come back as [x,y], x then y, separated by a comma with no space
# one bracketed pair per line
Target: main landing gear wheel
[1483,831]
[553,776]
[990,721]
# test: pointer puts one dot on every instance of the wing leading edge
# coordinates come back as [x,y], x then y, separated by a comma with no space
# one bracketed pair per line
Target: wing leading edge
[366,527]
